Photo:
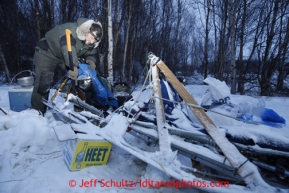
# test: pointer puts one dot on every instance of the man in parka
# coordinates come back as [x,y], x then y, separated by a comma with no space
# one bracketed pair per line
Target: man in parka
[51,51]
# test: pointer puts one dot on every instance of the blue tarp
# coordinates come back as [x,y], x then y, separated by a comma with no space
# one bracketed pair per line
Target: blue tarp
[165,89]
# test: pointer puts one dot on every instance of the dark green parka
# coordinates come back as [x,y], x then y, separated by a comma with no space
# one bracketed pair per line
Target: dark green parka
[53,47]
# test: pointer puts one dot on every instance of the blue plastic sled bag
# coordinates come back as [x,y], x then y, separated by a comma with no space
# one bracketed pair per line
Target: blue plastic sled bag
[272,116]
[110,96]
[103,95]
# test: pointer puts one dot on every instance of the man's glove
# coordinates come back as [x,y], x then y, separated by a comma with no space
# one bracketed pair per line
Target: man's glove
[73,74]
[91,64]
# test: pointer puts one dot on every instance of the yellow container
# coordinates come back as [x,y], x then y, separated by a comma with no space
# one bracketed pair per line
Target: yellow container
[82,150]
[80,154]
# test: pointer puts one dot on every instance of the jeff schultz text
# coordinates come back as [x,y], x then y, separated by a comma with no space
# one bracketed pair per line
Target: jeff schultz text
[148,183]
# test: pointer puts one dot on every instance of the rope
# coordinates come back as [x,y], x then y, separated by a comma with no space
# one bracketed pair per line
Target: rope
[136,99]
[141,89]
[137,81]
[236,169]
[3,111]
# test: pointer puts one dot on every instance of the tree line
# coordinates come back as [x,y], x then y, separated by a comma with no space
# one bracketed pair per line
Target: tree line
[242,42]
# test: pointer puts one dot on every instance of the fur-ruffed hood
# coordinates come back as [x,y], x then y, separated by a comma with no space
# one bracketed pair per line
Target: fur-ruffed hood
[83,28]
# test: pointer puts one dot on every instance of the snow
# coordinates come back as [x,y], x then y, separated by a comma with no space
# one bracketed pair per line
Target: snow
[31,159]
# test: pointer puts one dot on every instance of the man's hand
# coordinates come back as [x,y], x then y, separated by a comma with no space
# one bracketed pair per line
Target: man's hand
[73,74]
[91,64]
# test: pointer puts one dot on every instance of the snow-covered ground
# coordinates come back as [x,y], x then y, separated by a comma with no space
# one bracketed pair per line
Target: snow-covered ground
[31,159]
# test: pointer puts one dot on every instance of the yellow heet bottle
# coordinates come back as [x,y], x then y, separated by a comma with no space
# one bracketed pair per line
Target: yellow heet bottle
[80,155]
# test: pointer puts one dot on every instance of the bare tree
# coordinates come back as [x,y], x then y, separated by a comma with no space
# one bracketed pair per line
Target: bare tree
[265,65]
[207,6]
[280,58]
[100,67]
[3,60]
[110,45]
[176,55]
[117,23]
[232,24]
[126,41]
[240,63]
[167,29]
[37,22]
[221,69]
[131,76]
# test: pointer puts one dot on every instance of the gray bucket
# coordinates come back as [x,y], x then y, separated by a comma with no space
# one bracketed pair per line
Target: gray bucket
[26,81]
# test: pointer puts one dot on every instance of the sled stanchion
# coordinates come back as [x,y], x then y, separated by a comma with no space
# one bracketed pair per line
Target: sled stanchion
[164,142]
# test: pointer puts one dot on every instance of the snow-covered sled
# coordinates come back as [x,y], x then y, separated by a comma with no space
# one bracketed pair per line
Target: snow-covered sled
[164,119]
